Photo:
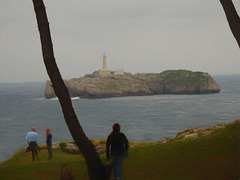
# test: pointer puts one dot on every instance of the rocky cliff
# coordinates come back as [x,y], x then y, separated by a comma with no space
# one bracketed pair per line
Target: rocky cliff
[167,82]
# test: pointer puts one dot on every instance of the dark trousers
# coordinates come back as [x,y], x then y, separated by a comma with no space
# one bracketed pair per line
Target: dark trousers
[33,156]
[49,148]
[33,147]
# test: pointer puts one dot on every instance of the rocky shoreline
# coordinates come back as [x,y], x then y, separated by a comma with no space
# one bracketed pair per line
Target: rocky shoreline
[71,147]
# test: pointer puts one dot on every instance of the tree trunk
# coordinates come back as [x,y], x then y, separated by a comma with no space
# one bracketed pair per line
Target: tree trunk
[232,18]
[96,170]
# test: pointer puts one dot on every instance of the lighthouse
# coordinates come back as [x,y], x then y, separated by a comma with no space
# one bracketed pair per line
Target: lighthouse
[104,65]
[104,71]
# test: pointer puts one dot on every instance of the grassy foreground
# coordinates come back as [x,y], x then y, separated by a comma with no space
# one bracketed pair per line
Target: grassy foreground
[215,156]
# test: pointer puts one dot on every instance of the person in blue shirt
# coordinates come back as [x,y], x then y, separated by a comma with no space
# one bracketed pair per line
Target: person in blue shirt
[49,142]
[32,139]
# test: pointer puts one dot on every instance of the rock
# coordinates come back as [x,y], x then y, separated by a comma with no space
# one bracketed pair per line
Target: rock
[167,82]
[206,133]
[196,132]
[49,92]
[55,145]
[181,82]
[100,149]
[72,148]
[191,136]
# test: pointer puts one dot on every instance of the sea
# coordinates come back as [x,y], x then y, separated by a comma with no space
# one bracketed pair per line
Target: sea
[142,118]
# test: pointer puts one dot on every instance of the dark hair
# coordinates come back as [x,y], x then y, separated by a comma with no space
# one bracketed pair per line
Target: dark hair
[115,130]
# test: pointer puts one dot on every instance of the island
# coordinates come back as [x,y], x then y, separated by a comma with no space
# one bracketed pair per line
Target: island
[105,83]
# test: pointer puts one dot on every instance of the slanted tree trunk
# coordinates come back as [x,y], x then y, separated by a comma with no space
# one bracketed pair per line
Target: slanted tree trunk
[96,170]
[232,18]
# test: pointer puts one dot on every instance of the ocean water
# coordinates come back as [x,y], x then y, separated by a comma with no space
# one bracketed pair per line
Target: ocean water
[142,118]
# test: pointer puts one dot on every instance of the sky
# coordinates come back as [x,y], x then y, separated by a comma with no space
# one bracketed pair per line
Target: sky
[146,36]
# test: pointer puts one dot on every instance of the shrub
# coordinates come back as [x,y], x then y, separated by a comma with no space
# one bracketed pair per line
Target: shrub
[62,146]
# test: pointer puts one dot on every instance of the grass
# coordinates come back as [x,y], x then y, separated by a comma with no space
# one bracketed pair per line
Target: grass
[215,156]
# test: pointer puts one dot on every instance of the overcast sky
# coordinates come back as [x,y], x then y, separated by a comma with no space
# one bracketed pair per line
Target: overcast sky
[136,36]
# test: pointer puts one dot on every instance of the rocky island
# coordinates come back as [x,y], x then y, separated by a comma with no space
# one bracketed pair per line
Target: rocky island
[104,83]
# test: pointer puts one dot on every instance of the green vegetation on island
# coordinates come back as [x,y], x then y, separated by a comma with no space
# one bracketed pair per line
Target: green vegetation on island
[204,153]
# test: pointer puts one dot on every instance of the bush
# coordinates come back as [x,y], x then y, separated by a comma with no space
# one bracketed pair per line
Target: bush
[62,146]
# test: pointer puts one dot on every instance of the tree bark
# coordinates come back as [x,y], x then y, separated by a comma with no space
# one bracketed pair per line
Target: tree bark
[96,170]
[232,18]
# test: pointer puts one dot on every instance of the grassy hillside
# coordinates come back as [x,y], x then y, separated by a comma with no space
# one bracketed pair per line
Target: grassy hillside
[215,156]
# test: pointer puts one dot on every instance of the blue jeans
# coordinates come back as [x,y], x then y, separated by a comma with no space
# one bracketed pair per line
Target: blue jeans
[49,148]
[117,167]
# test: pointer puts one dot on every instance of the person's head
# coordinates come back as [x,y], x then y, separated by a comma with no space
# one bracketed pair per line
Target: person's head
[47,130]
[115,129]
[33,129]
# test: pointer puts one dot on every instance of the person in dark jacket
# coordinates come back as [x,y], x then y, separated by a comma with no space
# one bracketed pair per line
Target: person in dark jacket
[49,142]
[117,144]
